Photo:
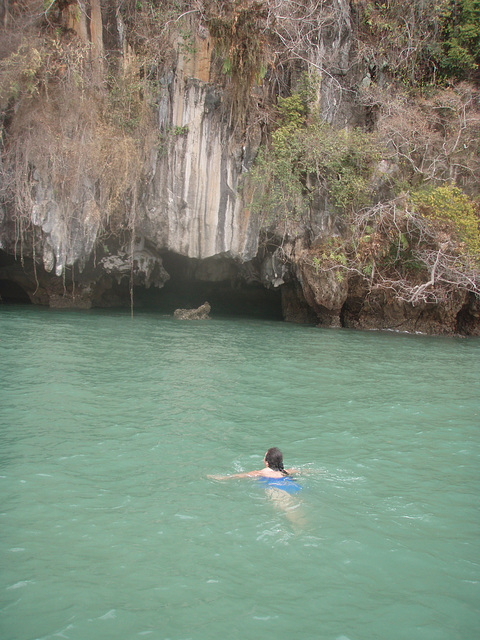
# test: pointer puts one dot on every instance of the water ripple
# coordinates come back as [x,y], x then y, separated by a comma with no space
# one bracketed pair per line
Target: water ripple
[111,528]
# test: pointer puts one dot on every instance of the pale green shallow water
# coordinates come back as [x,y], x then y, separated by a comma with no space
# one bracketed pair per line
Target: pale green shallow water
[110,529]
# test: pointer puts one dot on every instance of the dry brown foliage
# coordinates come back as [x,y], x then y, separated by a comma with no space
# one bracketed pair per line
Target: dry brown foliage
[392,246]
[436,137]
[69,143]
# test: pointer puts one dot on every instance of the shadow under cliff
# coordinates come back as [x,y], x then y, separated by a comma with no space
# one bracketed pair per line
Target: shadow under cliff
[219,282]
[232,289]
[225,299]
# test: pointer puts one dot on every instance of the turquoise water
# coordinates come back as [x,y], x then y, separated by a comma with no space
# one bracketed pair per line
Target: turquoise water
[111,529]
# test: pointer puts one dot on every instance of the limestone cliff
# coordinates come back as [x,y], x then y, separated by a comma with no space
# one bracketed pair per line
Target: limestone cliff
[129,136]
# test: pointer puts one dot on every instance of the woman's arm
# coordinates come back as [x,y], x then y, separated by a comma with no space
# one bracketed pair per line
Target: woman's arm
[294,471]
[248,474]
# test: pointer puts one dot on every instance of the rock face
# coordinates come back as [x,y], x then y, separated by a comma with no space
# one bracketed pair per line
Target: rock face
[193,206]
[382,310]
[202,313]
[189,205]
[190,219]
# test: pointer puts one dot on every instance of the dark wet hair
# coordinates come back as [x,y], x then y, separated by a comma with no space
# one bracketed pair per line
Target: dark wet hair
[274,457]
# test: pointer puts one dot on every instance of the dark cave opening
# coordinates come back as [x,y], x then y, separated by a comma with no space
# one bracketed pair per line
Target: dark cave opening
[218,281]
[248,300]
[467,318]
[12,293]
[230,287]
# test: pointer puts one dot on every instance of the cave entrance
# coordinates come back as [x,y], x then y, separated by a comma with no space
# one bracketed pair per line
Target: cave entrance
[231,289]
[12,293]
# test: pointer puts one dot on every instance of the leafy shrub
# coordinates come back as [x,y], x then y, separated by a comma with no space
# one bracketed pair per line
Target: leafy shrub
[460,54]
[448,204]
[38,65]
[416,41]
[306,155]
[292,110]
[238,30]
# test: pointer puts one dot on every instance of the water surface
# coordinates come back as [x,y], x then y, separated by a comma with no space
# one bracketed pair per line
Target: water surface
[110,528]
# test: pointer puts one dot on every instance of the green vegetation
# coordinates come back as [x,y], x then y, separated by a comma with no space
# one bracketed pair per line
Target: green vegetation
[421,247]
[449,205]
[238,30]
[460,46]
[307,157]
[395,184]
[422,41]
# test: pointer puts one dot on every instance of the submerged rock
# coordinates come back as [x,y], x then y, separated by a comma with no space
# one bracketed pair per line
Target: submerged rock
[202,313]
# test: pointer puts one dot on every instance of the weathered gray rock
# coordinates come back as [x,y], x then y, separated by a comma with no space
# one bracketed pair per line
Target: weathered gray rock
[145,266]
[67,237]
[193,207]
[202,313]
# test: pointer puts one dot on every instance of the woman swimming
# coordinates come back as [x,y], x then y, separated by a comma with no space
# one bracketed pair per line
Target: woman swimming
[276,479]
[273,467]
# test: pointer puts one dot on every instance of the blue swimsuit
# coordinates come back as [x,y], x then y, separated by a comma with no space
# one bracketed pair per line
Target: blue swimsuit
[285,484]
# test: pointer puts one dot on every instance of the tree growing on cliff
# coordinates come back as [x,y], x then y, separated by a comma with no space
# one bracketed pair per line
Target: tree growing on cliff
[423,248]
[308,159]
[433,137]
[458,52]
[423,41]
